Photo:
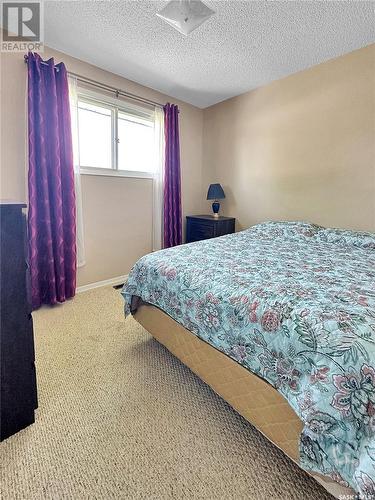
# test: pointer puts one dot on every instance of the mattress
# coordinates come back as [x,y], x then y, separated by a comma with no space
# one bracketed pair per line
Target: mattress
[294,304]
[253,398]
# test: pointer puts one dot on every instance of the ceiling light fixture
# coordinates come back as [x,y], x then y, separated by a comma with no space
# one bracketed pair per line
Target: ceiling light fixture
[185,15]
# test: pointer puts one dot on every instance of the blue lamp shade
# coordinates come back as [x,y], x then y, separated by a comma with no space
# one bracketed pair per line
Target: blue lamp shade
[215,192]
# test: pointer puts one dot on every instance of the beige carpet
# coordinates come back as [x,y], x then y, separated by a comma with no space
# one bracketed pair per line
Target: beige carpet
[120,417]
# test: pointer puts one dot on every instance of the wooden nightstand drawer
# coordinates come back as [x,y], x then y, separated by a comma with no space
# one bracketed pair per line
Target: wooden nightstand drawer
[199,230]
[202,227]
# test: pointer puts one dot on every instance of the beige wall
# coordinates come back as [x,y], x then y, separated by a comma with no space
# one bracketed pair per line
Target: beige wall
[117,211]
[301,148]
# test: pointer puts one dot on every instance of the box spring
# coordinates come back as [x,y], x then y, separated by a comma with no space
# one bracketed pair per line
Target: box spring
[252,397]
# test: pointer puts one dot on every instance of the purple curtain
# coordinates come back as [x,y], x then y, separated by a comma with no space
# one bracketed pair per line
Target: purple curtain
[172,179]
[51,215]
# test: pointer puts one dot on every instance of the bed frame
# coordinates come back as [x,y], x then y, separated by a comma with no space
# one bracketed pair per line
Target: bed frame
[252,397]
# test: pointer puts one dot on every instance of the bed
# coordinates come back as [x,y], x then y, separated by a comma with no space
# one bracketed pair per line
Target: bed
[279,320]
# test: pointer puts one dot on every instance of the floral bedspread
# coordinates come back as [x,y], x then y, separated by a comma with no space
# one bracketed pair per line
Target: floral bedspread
[295,304]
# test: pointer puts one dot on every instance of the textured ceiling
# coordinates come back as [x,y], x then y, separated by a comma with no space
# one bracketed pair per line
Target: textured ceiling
[243,46]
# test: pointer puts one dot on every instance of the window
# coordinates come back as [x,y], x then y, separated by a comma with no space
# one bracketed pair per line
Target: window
[95,135]
[135,143]
[115,138]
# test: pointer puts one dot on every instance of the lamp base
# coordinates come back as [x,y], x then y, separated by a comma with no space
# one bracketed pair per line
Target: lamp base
[216,208]
[216,216]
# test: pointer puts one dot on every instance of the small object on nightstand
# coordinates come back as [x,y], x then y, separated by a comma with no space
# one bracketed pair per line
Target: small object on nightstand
[202,227]
[215,192]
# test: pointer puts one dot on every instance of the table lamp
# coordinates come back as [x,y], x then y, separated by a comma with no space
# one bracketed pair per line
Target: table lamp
[215,192]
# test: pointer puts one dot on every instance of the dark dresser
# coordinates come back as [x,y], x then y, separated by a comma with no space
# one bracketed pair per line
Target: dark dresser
[18,381]
[202,227]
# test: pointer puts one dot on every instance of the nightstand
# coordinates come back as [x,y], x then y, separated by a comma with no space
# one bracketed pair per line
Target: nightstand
[202,227]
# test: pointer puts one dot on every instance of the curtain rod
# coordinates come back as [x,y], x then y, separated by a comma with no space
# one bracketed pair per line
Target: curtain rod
[118,92]
[109,88]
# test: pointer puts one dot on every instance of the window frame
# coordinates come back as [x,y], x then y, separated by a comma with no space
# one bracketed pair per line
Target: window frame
[116,105]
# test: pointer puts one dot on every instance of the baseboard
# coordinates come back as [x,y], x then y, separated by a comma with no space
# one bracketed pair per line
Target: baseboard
[112,281]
